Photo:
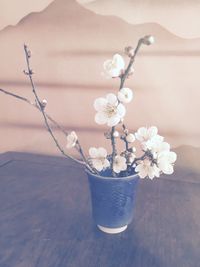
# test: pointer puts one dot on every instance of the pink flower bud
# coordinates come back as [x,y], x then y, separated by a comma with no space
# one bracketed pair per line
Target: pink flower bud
[129,51]
[148,40]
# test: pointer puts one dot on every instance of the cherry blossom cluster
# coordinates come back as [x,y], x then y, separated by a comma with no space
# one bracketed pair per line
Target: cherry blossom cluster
[155,155]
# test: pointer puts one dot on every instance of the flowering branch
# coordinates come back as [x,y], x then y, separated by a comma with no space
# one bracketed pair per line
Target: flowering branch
[35,106]
[29,73]
[132,54]
[157,157]
[123,78]
[132,59]
[55,123]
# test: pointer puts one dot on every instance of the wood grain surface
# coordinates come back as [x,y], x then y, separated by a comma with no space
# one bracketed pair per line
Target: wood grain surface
[45,218]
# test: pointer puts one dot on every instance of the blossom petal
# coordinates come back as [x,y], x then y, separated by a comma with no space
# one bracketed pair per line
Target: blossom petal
[115,73]
[141,133]
[113,121]
[106,163]
[125,95]
[141,171]
[71,139]
[118,59]
[167,156]
[114,66]
[172,157]
[119,164]
[107,64]
[152,131]
[93,152]
[102,152]
[100,103]
[112,99]
[101,118]
[121,110]
[164,146]
[97,163]
[166,167]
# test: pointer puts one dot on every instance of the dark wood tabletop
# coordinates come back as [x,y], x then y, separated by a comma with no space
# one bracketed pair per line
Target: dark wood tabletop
[45,218]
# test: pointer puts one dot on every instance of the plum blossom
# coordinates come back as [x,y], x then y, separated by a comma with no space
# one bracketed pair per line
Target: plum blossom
[156,146]
[98,157]
[125,95]
[147,169]
[166,161]
[145,135]
[71,139]
[109,110]
[115,66]
[119,164]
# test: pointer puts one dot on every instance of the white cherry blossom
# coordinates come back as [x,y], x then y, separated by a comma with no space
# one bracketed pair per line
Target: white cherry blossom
[157,146]
[109,110]
[125,95]
[145,135]
[98,157]
[147,169]
[115,66]
[119,164]
[166,161]
[71,139]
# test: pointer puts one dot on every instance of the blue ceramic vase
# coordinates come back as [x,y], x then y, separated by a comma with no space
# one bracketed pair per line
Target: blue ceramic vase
[112,201]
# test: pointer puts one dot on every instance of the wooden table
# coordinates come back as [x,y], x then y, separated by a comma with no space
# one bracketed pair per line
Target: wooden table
[45,218]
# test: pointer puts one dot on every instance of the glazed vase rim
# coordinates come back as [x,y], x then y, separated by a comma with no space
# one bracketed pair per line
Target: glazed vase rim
[112,178]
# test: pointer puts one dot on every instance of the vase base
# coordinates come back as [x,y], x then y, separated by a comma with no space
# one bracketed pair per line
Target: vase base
[112,230]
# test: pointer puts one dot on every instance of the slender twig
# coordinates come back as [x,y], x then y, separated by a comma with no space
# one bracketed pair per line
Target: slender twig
[78,147]
[35,106]
[29,73]
[125,130]
[123,79]
[132,59]
[14,95]
[137,159]
[55,123]
[114,150]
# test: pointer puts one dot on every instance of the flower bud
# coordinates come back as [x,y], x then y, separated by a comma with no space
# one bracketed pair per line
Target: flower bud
[126,131]
[72,140]
[130,138]
[43,103]
[29,53]
[107,135]
[129,51]
[133,149]
[148,40]
[131,158]
[116,134]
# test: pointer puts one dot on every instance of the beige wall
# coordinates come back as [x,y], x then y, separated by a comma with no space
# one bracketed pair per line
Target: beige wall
[70,42]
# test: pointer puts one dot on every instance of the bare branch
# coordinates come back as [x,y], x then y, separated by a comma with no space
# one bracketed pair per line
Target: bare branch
[29,73]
